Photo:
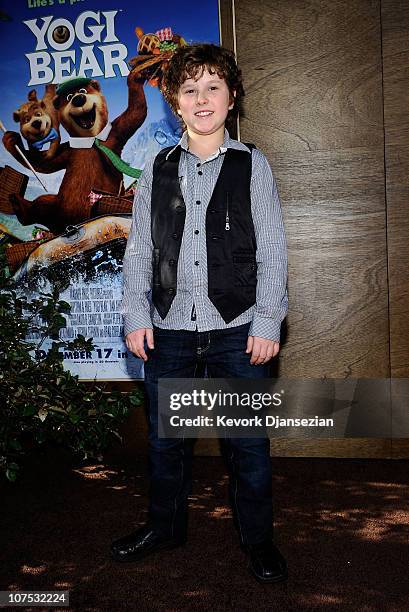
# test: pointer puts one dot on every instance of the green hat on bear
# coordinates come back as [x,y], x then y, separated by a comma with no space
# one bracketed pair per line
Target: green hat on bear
[70,84]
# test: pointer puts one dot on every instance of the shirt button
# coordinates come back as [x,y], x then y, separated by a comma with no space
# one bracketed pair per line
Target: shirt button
[197,165]
[196,263]
[200,173]
[196,231]
[198,202]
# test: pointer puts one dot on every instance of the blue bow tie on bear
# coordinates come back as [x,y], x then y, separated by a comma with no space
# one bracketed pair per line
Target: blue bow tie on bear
[53,134]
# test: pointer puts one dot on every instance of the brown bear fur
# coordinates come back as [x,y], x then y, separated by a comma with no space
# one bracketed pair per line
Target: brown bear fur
[37,117]
[85,169]
[83,112]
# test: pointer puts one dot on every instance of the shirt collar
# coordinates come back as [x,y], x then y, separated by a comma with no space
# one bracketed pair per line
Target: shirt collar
[88,141]
[228,143]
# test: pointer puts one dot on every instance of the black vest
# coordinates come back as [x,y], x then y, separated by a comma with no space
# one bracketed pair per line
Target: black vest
[230,238]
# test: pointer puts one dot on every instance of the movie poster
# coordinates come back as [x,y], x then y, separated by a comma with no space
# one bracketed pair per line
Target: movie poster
[80,113]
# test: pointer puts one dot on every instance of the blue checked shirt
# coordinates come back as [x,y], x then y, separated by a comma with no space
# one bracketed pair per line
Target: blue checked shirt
[191,308]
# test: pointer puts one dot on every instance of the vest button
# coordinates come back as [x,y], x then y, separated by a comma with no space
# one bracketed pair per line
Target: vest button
[212,210]
[175,236]
[196,231]
[215,238]
[171,291]
[179,209]
[172,262]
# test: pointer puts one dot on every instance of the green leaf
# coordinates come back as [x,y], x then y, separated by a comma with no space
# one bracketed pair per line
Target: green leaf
[11,474]
[56,409]
[15,444]
[135,400]
[64,306]
[74,417]
[29,410]
[82,418]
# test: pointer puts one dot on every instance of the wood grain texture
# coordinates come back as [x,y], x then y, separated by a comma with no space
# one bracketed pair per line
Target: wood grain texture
[312,73]
[226,24]
[313,80]
[363,448]
[315,102]
[335,225]
[135,436]
[400,449]
[352,447]
[227,40]
[395,43]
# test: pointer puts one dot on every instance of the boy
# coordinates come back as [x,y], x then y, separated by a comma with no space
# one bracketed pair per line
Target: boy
[205,274]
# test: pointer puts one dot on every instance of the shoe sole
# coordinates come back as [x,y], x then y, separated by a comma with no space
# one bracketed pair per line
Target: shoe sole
[139,557]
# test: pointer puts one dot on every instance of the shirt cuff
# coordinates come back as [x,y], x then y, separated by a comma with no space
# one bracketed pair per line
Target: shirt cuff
[134,321]
[265,327]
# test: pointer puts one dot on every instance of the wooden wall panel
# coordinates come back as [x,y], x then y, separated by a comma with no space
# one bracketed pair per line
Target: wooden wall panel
[135,442]
[226,24]
[313,80]
[316,96]
[395,43]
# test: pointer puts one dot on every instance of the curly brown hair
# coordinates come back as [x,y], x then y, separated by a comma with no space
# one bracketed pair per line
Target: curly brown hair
[190,61]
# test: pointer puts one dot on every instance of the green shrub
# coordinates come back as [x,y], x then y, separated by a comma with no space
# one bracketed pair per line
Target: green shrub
[40,401]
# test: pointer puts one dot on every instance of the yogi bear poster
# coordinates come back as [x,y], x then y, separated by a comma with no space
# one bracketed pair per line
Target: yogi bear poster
[80,113]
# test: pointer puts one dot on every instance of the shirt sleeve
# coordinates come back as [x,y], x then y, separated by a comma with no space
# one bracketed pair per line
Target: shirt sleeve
[137,264]
[271,297]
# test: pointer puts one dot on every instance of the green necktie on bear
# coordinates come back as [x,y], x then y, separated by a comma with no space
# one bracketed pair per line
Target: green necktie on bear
[117,162]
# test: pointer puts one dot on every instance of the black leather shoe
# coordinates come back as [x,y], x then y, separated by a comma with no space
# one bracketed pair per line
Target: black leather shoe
[140,544]
[266,562]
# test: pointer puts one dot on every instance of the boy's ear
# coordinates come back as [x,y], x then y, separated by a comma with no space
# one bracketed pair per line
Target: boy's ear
[232,100]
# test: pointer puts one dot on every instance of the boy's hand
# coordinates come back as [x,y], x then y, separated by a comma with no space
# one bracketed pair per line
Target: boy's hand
[135,341]
[261,349]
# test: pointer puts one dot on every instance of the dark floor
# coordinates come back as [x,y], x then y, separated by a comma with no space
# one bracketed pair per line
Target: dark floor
[342,525]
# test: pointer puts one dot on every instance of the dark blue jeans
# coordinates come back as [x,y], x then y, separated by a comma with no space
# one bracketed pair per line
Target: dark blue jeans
[184,354]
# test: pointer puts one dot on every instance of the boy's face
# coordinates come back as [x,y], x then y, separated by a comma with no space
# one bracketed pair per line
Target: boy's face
[204,103]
